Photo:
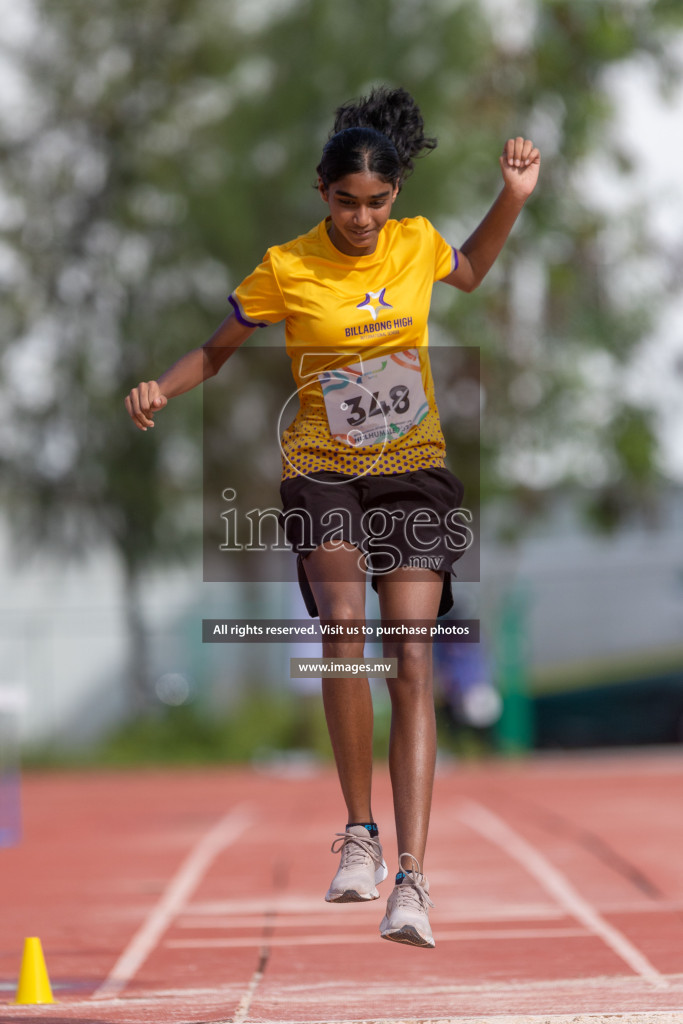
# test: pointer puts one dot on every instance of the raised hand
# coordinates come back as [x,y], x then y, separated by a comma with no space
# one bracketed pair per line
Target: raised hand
[143,402]
[520,163]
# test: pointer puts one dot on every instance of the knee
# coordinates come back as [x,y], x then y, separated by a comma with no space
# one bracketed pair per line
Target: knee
[339,609]
[414,670]
[341,612]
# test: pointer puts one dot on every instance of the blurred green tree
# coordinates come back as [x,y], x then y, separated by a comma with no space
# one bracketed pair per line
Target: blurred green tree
[161,148]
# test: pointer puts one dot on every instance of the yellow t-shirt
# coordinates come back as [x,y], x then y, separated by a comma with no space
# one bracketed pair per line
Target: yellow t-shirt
[356,332]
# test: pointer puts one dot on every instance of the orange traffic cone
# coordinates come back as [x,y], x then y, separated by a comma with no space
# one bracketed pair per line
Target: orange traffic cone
[34,984]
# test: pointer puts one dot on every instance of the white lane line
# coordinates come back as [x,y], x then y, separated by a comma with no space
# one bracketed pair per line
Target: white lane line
[357,938]
[226,832]
[449,914]
[244,1004]
[200,924]
[623,990]
[493,828]
[639,1017]
[617,987]
[299,903]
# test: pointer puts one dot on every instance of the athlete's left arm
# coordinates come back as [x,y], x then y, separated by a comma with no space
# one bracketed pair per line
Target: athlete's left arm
[520,163]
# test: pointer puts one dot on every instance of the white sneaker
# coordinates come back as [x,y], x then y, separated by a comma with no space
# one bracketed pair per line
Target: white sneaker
[361,867]
[407,916]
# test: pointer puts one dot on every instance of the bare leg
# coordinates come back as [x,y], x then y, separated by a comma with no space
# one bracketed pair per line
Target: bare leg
[338,585]
[411,594]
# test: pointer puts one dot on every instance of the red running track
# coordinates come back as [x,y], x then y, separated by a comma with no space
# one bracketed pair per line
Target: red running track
[197,896]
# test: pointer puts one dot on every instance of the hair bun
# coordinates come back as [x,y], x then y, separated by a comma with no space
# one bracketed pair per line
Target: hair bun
[394,113]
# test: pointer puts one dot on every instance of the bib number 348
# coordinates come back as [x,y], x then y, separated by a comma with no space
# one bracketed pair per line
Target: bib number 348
[377,401]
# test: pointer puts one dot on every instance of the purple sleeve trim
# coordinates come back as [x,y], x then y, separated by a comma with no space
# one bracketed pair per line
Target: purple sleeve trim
[456,259]
[242,318]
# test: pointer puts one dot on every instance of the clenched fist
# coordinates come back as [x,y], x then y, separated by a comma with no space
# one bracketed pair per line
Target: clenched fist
[143,402]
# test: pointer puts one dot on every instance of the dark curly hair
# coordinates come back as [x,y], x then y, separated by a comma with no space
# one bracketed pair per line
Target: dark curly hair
[382,134]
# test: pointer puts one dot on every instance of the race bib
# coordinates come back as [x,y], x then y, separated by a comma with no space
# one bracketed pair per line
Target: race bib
[375,401]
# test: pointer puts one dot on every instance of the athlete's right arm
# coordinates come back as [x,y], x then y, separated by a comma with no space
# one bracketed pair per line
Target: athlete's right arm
[149,397]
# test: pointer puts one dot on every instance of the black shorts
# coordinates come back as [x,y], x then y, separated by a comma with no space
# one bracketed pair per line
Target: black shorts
[403,519]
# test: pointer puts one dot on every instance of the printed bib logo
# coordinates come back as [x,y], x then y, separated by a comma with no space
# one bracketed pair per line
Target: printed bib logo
[378,401]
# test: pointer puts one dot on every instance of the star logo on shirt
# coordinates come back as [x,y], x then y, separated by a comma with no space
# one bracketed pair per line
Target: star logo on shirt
[374,302]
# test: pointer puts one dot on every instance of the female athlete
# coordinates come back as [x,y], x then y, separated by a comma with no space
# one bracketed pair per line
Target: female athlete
[365,490]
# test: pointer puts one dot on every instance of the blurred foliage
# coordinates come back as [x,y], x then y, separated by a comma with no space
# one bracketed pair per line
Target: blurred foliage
[277,728]
[259,728]
[163,147]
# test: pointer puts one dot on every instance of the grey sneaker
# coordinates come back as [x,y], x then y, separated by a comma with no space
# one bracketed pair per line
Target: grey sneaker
[407,916]
[361,867]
